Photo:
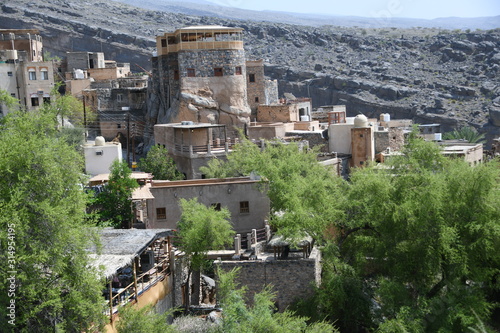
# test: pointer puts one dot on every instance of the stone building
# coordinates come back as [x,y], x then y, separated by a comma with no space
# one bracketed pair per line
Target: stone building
[259,89]
[244,197]
[362,142]
[23,73]
[111,91]
[192,145]
[286,110]
[292,279]
[199,75]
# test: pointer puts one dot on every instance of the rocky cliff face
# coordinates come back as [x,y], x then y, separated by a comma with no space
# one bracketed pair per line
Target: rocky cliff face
[429,75]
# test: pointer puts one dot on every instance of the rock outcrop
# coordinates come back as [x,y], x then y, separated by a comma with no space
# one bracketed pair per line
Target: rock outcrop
[428,74]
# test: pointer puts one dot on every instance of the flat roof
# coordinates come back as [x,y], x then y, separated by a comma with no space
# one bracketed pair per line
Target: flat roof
[202,182]
[119,247]
[190,126]
[104,177]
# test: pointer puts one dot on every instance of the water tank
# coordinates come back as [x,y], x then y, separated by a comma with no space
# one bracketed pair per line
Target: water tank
[304,118]
[11,54]
[187,122]
[99,141]
[387,117]
[79,74]
[360,121]
[437,136]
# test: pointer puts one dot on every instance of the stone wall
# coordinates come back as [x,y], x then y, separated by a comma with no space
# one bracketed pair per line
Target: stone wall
[256,88]
[204,62]
[279,112]
[291,279]
[314,139]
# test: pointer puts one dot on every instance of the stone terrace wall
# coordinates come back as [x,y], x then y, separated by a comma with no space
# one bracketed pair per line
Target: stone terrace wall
[291,279]
[314,139]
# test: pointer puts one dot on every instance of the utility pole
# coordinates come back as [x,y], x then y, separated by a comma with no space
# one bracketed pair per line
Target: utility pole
[84,119]
[128,137]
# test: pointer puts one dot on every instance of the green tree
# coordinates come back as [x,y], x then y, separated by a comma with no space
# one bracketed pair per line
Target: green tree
[420,240]
[467,133]
[160,164]
[116,199]
[45,273]
[304,193]
[7,99]
[143,320]
[237,316]
[201,229]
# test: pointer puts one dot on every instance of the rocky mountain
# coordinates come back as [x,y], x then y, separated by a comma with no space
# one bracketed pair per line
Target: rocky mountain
[427,74]
[210,8]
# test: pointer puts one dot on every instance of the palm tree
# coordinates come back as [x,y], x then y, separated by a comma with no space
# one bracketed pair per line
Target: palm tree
[467,133]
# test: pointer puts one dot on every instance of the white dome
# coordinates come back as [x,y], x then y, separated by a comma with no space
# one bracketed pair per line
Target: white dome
[360,121]
[99,141]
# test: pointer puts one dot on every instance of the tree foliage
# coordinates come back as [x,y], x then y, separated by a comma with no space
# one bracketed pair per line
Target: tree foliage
[43,230]
[305,194]
[160,164]
[467,133]
[8,100]
[237,316]
[143,320]
[420,238]
[411,245]
[201,229]
[116,198]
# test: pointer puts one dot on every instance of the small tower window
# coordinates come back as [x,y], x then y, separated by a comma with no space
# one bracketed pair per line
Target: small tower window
[244,207]
[218,71]
[256,99]
[191,72]
[237,70]
[251,77]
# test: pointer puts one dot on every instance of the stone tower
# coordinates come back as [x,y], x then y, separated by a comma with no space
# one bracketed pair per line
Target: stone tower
[199,75]
[362,142]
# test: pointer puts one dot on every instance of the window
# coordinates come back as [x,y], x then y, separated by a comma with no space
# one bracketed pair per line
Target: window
[256,99]
[218,71]
[244,207]
[176,75]
[119,97]
[9,73]
[163,42]
[46,100]
[34,101]
[32,74]
[44,74]
[237,70]
[161,213]
[191,72]
[13,94]
[216,206]
[251,77]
